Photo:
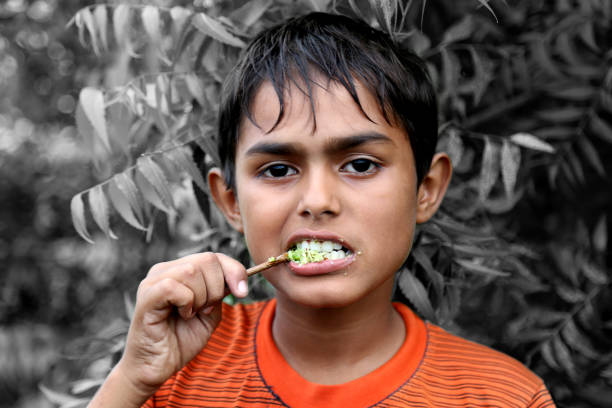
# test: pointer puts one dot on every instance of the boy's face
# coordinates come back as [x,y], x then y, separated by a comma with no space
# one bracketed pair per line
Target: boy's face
[348,180]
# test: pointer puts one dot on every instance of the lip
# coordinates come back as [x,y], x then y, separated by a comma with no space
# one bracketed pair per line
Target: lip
[321,268]
[320,235]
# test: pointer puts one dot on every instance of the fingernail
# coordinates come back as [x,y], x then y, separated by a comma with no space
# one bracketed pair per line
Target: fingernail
[243,288]
[207,310]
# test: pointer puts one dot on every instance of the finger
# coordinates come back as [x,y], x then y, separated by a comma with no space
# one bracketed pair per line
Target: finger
[167,293]
[186,271]
[235,275]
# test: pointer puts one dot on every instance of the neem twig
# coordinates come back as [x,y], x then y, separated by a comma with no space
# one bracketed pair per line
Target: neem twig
[275,260]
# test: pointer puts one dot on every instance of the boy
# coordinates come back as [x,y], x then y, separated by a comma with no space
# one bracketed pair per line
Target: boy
[327,135]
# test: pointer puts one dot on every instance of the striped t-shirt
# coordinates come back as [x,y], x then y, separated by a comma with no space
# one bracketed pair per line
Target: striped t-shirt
[241,367]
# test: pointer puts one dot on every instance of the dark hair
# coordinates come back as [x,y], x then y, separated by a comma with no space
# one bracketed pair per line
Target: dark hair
[343,50]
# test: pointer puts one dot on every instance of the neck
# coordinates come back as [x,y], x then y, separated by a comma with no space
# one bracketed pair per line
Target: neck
[337,345]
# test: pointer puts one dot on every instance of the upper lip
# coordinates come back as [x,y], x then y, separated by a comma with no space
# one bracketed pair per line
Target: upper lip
[321,235]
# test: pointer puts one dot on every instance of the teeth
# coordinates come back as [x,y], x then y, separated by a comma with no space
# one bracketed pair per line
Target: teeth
[316,251]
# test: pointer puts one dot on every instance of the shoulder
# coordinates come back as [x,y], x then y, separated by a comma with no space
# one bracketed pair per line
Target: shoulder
[455,368]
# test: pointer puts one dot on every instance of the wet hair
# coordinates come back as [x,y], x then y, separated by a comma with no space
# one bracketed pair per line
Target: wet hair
[342,50]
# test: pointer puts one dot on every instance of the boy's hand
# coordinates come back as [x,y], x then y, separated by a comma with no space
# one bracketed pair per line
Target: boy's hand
[178,306]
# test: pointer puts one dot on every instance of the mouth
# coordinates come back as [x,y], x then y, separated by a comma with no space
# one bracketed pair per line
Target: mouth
[308,251]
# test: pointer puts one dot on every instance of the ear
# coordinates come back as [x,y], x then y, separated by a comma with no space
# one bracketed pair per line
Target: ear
[225,198]
[433,187]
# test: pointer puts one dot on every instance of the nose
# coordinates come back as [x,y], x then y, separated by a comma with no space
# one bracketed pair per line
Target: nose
[319,194]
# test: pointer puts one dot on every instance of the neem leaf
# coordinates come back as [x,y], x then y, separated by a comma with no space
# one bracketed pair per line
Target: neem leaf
[194,85]
[459,31]
[489,169]
[602,129]
[600,234]
[479,268]
[510,163]
[591,154]
[101,17]
[149,193]
[215,29]
[121,25]
[126,185]
[574,93]
[88,19]
[531,142]
[250,12]
[122,205]
[157,179]
[416,293]
[150,21]
[100,210]
[77,210]
[184,161]
[92,102]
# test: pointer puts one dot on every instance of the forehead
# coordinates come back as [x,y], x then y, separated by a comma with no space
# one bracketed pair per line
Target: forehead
[330,110]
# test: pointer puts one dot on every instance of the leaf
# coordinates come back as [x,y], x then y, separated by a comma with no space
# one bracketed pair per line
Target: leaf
[577,93]
[61,399]
[122,205]
[592,155]
[459,31]
[479,268]
[570,294]
[209,26]
[250,12]
[531,142]
[588,36]
[601,129]
[561,115]
[194,85]
[434,276]
[85,385]
[92,102]
[542,58]
[157,179]
[489,169]
[203,137]
[88,20]
[184,161]
[450,70]
[485,3]
[600,234]
[100,210]
[130,307]
[556,132]
[77,210]
[564,357]
[455,147]
[578,340]
[547,354]
[128,188]
[416,293]
[101,18]
[510,163]
[150,21]
[121,25]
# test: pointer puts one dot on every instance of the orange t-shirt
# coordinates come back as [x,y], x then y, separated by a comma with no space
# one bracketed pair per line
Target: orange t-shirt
[242,367]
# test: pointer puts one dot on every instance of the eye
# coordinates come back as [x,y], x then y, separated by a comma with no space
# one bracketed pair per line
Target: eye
[278,171]
[360,166]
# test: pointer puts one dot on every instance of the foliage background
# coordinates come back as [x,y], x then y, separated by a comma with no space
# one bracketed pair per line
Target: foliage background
[517,258]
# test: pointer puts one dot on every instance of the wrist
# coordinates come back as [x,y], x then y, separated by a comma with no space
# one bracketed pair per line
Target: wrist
[120,390]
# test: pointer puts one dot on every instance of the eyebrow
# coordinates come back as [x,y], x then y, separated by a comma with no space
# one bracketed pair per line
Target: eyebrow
[334,145]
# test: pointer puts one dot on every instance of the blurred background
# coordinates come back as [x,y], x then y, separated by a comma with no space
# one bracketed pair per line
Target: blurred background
[526,112]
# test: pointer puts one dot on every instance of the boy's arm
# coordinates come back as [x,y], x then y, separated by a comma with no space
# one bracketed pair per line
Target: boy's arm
[117,391]
[178,306]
